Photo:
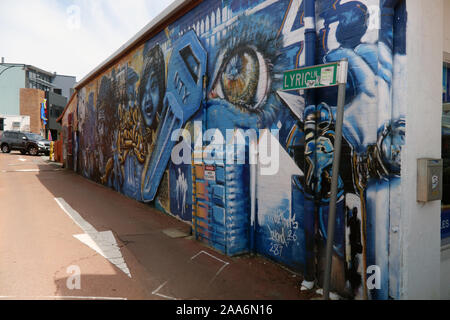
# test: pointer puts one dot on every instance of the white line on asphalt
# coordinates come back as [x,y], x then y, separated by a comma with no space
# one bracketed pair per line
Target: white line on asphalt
[75,216]
[220,270]
[62,297]
[208,255]
[102,242]
[161,295]
[30,170]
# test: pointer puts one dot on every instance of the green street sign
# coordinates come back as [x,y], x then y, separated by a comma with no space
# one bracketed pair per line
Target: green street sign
[319,76]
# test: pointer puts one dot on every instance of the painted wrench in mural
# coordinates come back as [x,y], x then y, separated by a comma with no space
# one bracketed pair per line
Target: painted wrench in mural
[184,95]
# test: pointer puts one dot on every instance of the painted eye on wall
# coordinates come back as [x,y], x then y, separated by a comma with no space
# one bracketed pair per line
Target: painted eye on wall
[242,79]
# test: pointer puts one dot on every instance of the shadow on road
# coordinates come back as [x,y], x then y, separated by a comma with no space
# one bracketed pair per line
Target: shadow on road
[90,287]
[179,267]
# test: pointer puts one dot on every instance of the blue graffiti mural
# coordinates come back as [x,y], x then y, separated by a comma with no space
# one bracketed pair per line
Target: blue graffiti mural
[221,65]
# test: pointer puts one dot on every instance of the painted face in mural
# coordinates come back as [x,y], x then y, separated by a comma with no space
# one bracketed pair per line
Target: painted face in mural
[150,99]
[241,90]
[152,86]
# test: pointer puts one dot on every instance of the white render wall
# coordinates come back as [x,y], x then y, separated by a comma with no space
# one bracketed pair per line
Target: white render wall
[447,26]
[445,250]
[420,223]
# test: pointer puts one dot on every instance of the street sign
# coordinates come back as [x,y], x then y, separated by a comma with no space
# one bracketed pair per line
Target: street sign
[319,76]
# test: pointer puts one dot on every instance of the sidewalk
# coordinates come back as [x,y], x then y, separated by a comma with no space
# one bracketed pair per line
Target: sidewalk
[162,255]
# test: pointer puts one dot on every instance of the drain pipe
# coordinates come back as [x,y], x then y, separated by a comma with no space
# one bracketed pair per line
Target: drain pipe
[310,35]
[253,148]
[309,95]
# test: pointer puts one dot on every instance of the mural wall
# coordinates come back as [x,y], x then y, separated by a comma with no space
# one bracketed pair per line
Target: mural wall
[220,68]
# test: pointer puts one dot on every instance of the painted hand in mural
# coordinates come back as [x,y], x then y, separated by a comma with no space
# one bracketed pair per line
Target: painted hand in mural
[375,139]
[181,190]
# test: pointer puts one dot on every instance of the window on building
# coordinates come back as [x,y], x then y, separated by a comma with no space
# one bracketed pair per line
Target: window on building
[16,126]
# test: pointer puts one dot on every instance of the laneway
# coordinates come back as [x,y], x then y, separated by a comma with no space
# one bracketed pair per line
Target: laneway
[54,223]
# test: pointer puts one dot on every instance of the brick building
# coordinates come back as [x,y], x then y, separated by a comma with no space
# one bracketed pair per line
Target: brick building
[30,100]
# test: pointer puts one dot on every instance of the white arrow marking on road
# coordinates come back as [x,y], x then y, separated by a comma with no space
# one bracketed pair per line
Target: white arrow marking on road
[102,242]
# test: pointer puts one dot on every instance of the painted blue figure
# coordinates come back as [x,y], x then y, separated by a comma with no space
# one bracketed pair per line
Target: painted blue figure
[242,95]
[180,181]
[139,115]
[374,152]
[319,154]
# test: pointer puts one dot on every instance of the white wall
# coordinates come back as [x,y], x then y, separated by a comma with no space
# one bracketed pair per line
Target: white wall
[24,123]
[445,251]
[447,26]
[420,223]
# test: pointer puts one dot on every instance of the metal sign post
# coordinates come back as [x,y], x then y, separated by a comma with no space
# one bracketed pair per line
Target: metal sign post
[333,74]
[334,181]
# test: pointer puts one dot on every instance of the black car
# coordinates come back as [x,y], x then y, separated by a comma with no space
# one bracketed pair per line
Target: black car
[30,143]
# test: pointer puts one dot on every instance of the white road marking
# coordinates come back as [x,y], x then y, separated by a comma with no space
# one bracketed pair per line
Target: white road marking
[204,252]
[161,295]
[29,170]
[23,160]
[220,270]
[102,242]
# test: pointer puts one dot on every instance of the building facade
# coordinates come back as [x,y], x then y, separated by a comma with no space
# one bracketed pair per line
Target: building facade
[177,115]
[15,123]
[24,88]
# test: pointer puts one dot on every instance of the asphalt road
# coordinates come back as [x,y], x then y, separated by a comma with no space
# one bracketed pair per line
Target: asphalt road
[65,237]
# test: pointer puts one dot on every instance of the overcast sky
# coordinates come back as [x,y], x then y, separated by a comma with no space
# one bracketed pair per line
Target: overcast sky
[70,37]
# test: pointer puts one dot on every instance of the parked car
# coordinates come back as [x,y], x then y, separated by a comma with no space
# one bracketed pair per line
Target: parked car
[31,143]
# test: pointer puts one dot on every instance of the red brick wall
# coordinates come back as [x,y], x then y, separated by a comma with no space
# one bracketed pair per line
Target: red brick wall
[30,105]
